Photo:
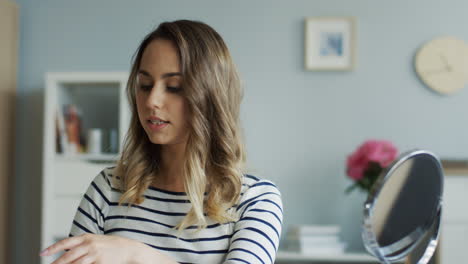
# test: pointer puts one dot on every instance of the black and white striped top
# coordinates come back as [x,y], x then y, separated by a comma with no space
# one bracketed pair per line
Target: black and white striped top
[254,238]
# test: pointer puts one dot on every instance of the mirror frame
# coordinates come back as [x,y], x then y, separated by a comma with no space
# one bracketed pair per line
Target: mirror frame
[368,236]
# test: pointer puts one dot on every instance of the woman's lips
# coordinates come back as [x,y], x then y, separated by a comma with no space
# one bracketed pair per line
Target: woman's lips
[157,126]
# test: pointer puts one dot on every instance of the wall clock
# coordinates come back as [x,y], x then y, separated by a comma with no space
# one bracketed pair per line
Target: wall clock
[442,64]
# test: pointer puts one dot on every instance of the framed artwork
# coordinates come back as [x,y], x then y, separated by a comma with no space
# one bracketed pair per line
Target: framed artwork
[330,43]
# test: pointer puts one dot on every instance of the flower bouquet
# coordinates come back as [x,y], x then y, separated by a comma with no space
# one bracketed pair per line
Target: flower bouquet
[366,163]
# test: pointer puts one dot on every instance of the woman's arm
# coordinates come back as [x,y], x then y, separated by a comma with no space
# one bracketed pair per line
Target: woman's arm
[92,210]
[257,233]
[103,249]
[87,242]
[146,254]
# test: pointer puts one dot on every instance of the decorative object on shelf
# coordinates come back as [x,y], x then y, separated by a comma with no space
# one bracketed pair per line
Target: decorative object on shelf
[366,163]
[442,64]
[69,136]
[73,128]
[330,43]
[113,141]
[94,141]
[61,138]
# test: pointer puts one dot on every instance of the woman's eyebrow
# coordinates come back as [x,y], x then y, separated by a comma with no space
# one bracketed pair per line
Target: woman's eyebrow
[143,72]
[165,75]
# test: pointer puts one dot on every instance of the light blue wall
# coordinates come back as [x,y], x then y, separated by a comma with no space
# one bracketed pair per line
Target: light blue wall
[299,125]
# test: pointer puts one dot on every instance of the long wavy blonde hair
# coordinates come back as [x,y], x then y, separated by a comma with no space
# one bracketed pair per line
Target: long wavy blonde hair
[215,155]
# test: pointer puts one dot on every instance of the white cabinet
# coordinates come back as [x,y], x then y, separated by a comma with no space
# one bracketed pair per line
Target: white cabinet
[102,104]
[454,230]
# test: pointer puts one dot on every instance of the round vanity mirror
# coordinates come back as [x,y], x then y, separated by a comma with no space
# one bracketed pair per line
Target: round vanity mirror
[402,213]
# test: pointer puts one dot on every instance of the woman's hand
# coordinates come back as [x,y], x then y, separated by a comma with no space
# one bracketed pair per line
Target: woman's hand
[95,249]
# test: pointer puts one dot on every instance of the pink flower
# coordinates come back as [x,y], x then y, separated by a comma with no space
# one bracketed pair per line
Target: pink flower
[379,151]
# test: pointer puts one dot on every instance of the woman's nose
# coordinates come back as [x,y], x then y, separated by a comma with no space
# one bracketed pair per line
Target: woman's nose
[156,97]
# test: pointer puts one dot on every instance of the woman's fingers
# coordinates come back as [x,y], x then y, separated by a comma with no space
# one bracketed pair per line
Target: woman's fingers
[72,255]
[66,243]
[84,260]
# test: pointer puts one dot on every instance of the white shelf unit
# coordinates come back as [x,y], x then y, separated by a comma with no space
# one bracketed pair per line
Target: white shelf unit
[101,97]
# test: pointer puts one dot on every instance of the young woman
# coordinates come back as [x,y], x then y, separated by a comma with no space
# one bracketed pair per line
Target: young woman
[178,193]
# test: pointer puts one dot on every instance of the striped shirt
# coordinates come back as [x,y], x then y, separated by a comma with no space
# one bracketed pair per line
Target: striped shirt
[254,238]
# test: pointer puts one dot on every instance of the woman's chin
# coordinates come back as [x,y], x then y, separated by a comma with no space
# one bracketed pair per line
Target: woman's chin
[157,141]
[161,141]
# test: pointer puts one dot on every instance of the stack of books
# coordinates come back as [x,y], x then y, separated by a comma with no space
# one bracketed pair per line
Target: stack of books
[315,240]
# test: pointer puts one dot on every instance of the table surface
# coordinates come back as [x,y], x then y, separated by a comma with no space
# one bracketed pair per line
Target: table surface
[345,257]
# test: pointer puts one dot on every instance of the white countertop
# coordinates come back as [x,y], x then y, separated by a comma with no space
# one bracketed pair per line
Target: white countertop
[345,257]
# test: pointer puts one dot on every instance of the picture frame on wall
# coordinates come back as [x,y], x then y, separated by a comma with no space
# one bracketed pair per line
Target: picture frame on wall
[330,43]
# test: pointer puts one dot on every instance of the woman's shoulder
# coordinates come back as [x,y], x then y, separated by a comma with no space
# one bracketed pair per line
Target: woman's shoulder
[259,195]
[108,179]
[255,186]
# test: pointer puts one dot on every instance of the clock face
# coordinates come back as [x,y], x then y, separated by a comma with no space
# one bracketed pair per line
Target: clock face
[442,64]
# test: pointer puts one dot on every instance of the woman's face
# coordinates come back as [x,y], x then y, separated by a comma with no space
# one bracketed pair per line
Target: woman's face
[162,110]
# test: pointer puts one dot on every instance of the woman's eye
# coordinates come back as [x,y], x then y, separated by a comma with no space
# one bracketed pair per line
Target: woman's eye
[173,89]
[146,87]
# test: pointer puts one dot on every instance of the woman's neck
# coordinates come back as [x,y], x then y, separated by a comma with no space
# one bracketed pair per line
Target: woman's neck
[170,176]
